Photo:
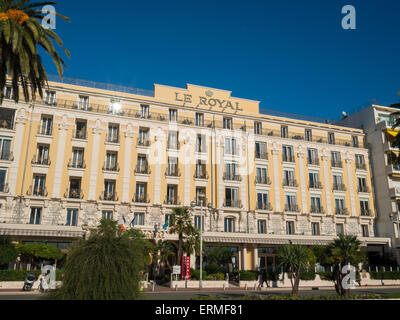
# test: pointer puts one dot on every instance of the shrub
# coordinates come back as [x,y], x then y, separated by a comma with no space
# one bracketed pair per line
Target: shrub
[195,274]
[307,275]
[385,275]
[215,276]
[327,275]
[246,275]
[212,268]
[272,275]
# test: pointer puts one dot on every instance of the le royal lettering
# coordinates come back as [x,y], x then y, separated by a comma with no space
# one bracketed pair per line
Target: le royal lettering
[208,102]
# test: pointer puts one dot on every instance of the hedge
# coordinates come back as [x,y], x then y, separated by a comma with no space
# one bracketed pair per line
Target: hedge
[385,275]
[245,275]
[195,274]
[307,275]
[20,275]
[215,276]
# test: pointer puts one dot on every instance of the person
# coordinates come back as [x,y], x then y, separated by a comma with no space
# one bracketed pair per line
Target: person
[261,284]
[43,286]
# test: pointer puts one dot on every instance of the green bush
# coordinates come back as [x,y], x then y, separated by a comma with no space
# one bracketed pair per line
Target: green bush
[20,275]
[215,276]
[246,275]
[307,275]
[272,275]
[195,274]
[327,275]
[385,275]
[212,268]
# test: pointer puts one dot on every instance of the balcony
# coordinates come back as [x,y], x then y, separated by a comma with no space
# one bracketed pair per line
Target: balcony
[173,146]
[341,212]
[143,142]
[45,131]
[201,174]
[200,203]
[361,166]
[261,155]
[73,194]
[292,208]
[233,203]
[316,209]
[37,192]
[339,187]
[6,124]
[6,156]
[313,161]
[337,164]
[50,102]
[4,188]
[290,183]
[394,192]
[263,180]
[363,189]
[288,158]
[173,172]
[76,164]
[108,196]
[41,161]
[315,185]
[264,206]
[142,170]
[80,134]
[231,177]
[141,198]
[111,167]
[113,139]
[172,201]
[366,212]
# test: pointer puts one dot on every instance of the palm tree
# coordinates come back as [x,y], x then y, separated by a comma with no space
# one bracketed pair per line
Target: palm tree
[162,251]
[181,224]
[295,259]
[343,251]
[21,34]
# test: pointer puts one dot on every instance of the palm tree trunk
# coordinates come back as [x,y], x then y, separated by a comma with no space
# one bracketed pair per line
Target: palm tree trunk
[295,288]
[180,248]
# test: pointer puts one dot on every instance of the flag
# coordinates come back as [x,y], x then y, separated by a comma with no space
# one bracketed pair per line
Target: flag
[123,218]
[133,221]
[165,225]
[122,227]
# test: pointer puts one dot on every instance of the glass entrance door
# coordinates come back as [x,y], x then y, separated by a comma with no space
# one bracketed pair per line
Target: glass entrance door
[267,263]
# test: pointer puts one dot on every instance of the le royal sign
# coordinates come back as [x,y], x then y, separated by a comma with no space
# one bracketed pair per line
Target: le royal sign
[207,101]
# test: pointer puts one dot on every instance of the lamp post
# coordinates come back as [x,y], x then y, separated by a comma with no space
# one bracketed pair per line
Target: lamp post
[193,204]
[396,221]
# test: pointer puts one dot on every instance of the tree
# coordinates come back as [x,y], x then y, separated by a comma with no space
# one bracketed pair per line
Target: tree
[161,253]
[106,266]
[188,237]
[39,251]
[295,259]
[218,259]
[344,250]
[21,34]
[8,252]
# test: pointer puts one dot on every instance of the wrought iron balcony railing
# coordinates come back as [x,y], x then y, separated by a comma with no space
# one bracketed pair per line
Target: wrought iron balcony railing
[173,172]
[315,185]
[263,180]
[202,174]
[233,203]
[143,169]
[111,167]
[143,142]
[141,198]
[363,189]
[288,158]
[113,138]
[292,208]
[366,212]
[361,166]
[264,206]
[172,201]
[41,161]
[231,177]
[44,130]
[290,183]
[313,161]
[339,187]
[317,209]
[337,164]
[76,164]
[108,196]
[261,155]
[73,193]
[6,156]
[341,211]
[37,192]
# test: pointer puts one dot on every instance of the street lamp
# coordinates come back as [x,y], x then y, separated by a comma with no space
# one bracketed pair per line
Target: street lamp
[194,204]
[397,221]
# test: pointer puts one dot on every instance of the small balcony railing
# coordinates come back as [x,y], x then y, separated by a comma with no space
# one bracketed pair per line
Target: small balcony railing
[290,183]
[173,146]
[172,172]
[50,102]
[363,189]
[202,174]
[37,192]
[288,158]
[315,185]
[233,203]
[199,203]
[41,161]
[261,155]
[313,161]
[231,177]
[361,166]
[80,134]
[141,198]
[143,169]
[263,180]
[45,131]
[342,211]
[172,201]
[111,167]
[292,208]
[337,164]
[339,187]
[113,138]
[6,156]
[317,209]
[73,193]
[109,196]
[366,212]
[143,115]
[264,206]
[6,124]
[143,142]
[76,164]
[4,188]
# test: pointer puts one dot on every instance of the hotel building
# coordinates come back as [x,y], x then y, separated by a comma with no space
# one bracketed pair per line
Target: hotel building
[377,122]
[88,151]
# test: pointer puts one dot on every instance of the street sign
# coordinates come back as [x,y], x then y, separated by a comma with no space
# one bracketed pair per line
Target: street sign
[176,270]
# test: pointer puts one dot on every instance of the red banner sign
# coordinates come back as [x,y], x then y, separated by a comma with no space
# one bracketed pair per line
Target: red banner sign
[185,268]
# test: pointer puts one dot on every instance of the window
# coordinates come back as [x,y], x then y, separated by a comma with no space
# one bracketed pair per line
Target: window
[315,229]
[308,135]
[72,217]
[144,137]
[291,205]
[3,174]
[336,159]
[173,140]
[50,98]
[261,175]
[338,183]
[42,155]
[231,197]
[227,123]
[200,170]
[172,169]
[339,205]
[200,143]
[140,192]
[83,102]
[139,219]
[313,156]
[109,190]
[144,111]
[257,128]
[80,129]
[316,204]
[289,227]
[46,125]
[39,185]
[365,231]
[284,131]
[262,226]
[200,196]
[197,222]
[362,184]
[77,158]
[111,161]
[230,146]
[199,119]
[355,141]
[113,133]
[5,148]
[339,228]
[231,172]
[142,166]
[360,161]
[75,188]
[168,218]
[313,178]
[288,178]
[287,153]
[36,214]
[364,206]
[262,200]
[261,150]
[107,215]
[8,92]
[172,195]
[331,138]
[173,115]
[229,225]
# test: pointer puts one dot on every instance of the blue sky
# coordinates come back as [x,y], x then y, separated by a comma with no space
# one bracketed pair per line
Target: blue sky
[291,55]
